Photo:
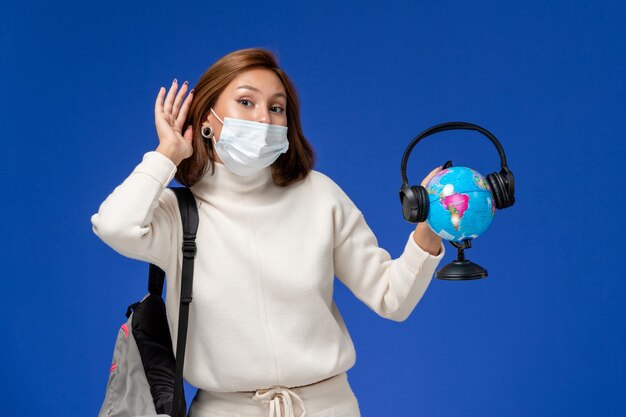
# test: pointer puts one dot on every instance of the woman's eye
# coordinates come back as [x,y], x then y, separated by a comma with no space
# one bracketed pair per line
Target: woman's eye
[245,102]
[277,109]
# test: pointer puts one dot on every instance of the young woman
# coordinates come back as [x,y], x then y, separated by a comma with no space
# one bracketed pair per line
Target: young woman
[264,332]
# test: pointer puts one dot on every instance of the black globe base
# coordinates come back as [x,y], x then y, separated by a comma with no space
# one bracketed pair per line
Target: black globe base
[461,269]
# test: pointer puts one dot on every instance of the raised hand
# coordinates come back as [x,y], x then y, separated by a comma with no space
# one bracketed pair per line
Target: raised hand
[431,175]
[424,236]
[169,117]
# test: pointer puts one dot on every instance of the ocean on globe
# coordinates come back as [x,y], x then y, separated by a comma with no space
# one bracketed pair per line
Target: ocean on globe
[461,204]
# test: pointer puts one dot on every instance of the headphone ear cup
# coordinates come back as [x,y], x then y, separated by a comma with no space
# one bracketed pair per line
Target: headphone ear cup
[509,185]
[422,203]
[498,190]
[408,198]
[414,201]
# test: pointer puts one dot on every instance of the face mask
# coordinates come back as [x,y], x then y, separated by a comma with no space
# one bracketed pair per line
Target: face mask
[247,147]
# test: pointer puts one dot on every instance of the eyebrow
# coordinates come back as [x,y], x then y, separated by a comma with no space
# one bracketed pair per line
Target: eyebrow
[249,87]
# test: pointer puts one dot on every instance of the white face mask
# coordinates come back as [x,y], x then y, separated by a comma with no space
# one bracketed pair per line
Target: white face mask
[247,147]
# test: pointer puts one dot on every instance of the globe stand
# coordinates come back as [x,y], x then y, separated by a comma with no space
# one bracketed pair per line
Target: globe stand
[461,269]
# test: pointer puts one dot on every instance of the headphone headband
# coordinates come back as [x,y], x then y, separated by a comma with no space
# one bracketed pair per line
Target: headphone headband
[442,127]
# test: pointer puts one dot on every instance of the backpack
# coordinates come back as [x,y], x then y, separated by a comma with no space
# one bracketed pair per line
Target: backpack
[145,378]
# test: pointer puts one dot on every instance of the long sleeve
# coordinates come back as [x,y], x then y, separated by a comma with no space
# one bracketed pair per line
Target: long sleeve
[390,287]
[138,218]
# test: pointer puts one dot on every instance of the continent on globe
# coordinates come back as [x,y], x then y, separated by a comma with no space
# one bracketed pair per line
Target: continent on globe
[461,204]
[456,204]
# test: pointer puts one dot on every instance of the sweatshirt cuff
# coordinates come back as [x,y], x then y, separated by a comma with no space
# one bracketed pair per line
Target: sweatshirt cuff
[158,166]
[416,259]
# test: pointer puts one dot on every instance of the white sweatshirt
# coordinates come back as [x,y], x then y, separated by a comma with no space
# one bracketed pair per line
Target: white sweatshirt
[262,312]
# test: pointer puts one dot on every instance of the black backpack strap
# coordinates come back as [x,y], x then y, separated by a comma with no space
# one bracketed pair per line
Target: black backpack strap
[190,220]
[189,216]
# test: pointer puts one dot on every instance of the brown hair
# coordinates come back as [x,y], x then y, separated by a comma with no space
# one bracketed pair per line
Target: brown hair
[292,166]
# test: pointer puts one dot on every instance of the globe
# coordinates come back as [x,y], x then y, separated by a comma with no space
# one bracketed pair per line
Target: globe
[461,204]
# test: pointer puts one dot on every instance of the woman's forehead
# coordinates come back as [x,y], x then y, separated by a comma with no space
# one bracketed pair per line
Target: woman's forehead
[261,80]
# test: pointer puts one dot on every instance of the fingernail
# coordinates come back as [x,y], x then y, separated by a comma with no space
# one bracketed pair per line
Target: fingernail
[186,82]
[175,81]
[192,90]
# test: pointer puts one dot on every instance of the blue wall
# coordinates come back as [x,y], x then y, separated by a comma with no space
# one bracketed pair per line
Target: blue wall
[543,335]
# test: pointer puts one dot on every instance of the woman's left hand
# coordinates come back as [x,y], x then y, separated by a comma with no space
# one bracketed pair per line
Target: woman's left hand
[424,236]
[431,175]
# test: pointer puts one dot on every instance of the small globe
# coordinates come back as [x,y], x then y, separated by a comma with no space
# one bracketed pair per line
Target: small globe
[461,204]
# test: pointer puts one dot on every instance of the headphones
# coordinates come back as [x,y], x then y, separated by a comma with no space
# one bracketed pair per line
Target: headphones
[414,198]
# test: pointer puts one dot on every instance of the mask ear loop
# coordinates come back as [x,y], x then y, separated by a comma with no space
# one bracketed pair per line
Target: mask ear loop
[218,118]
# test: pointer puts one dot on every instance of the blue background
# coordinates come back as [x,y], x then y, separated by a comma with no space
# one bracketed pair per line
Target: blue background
[543,335]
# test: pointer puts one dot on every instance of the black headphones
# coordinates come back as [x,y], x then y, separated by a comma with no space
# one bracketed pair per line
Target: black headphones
[414,198]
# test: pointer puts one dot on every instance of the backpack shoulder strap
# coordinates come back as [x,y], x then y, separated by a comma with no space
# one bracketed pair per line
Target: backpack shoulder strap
[190,220]
[189,215]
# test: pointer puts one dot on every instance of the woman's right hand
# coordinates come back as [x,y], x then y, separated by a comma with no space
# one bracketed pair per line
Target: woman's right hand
[169,118]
